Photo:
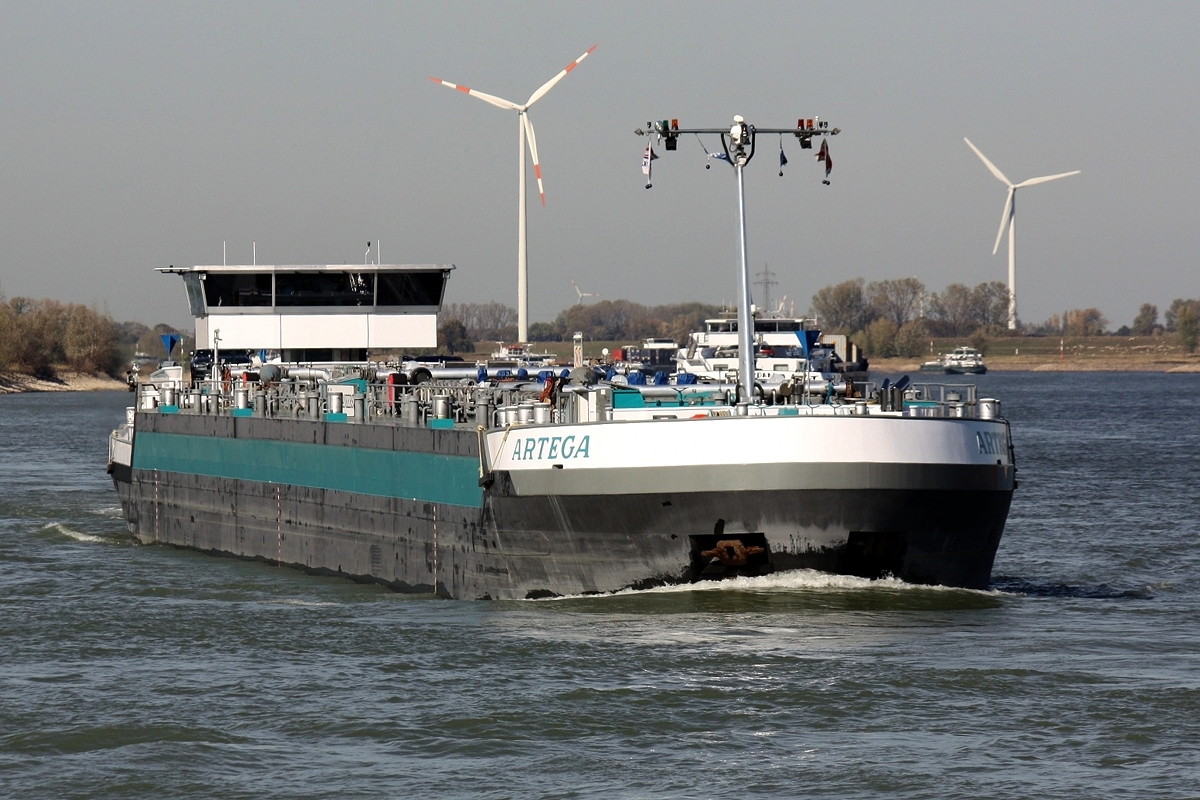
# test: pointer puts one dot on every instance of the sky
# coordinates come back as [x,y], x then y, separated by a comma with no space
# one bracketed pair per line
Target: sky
[142,135]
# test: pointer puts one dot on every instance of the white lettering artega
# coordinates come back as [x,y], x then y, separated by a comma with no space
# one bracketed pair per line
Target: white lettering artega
[551,448]
[993,444]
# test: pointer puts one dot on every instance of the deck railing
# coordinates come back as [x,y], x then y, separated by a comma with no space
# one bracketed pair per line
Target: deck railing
[351,397]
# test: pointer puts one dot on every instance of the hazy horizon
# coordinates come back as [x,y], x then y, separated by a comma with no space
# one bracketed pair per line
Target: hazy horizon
[140,135]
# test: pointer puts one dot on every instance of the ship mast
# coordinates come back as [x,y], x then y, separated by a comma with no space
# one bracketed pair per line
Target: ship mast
[738,144]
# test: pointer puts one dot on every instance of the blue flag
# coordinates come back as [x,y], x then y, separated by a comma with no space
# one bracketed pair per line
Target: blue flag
[807,340]
[169,341]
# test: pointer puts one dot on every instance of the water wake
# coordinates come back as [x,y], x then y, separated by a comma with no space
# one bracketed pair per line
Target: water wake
[111,512]
[304,603]
[79,536]
[793,581]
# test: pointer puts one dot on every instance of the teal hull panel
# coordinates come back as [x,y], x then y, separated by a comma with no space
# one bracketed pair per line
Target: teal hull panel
[428,477]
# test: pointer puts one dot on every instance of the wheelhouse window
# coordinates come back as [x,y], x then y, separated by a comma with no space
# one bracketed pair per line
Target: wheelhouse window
[195,293]
[225,289]
[411,288]
[324,289]
[777,325]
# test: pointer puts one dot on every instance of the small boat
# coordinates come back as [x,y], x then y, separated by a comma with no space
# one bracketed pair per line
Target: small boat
[963,361]
[935,365]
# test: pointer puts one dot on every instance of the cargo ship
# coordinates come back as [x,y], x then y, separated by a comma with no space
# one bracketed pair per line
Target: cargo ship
[330,459]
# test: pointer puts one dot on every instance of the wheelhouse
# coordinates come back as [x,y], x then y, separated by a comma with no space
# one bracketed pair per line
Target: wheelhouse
[305,310]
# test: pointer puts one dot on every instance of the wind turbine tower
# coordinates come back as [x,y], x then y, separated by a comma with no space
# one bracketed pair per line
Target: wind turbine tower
[1009,219]
[524,129]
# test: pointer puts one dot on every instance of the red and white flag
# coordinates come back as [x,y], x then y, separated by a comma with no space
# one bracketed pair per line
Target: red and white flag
[823,155]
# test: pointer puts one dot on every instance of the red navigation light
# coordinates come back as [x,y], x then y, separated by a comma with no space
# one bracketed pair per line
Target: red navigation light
[674,124]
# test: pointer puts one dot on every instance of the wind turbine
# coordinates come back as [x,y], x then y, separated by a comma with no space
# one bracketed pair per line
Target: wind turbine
[582,294]
[1009,218]
[524,128]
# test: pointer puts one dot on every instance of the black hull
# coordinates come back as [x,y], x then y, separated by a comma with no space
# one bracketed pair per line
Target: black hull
[525,547]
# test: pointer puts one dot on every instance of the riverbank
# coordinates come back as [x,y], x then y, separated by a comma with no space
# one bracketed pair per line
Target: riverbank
[1095,354]
[1003,354]
[1032,364]
[66,381]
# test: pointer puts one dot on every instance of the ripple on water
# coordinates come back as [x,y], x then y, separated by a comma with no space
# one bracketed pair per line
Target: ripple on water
[145,671]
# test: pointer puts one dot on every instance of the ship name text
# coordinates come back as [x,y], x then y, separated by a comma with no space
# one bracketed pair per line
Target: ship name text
[993,444]
[551,448]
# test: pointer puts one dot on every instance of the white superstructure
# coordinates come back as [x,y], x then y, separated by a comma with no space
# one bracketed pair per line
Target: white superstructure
[311,307]
[712,354]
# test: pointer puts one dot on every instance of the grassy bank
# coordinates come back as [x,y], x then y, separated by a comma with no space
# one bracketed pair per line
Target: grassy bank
[1081,354]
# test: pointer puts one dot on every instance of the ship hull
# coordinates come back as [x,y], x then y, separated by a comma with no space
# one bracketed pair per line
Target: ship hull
[331,498]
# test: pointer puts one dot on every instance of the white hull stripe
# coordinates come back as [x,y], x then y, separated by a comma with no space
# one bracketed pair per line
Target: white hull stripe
[769,441]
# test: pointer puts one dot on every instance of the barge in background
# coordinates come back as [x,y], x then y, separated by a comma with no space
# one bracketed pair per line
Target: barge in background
[557,485]
[963,361]
[782,355]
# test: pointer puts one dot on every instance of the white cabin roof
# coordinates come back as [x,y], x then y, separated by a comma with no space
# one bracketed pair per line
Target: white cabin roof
[305,268]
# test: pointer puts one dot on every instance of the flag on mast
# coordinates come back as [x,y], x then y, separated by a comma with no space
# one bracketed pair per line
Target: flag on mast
[647,157]
[823,155]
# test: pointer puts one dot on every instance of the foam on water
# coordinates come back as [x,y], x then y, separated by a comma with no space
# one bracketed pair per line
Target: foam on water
[111,512]
[305,603]
[799,580]
[79,536]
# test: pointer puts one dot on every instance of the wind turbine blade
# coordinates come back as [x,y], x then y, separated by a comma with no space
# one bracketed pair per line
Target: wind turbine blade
[499,102]
[1036,181]
[1004,217]
[548,85]
[537,167]
[987,163]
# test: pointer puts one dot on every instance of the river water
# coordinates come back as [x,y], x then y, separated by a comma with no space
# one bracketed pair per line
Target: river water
[130,671]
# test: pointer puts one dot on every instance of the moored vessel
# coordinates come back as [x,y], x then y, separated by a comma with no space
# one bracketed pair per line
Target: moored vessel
[786,350]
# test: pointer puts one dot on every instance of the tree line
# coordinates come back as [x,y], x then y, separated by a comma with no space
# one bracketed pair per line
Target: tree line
[895,317]
[463,324]
[898,317]
[37,335]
